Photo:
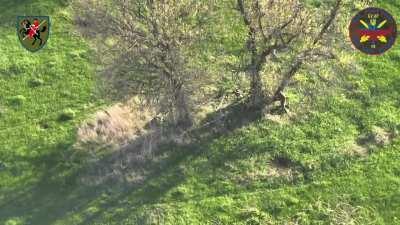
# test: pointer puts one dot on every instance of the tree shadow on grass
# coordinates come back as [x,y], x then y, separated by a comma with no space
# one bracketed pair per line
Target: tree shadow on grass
[226,120]
[163,169]
[61,192]
[49,195]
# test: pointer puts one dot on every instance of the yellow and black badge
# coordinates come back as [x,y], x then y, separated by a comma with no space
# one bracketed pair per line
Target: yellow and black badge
[373,31]
[33,31]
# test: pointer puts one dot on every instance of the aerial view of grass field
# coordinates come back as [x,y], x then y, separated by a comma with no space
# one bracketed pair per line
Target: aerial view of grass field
[199,112]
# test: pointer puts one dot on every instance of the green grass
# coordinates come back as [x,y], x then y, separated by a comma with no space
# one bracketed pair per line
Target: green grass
[35,89]
[219,181]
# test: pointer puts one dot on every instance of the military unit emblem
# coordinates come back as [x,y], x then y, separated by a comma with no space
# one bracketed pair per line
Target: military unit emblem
[33,31]
[373,31]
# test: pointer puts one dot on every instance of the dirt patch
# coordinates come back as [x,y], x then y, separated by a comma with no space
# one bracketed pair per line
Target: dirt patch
[377,136]
[276,118]
[273,114]
[262,169]
[281,167]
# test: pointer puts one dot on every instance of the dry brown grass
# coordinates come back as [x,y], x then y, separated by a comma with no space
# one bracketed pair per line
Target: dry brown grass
[116,125]
[381,136]
[279,119]
[276,168]
[281,167]
[356,149]
[347,214]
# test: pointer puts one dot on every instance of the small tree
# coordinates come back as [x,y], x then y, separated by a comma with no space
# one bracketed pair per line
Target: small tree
[148,47]
[288,33]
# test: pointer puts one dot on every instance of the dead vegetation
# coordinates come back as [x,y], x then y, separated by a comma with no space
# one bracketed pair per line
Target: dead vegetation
[279,167]
[380,136]
[120,142]
[355,149]
[376,137]
[282,167]
[116,125]
[283,119]
[347,214]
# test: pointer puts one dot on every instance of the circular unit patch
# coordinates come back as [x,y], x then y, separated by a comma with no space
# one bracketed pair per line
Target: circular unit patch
[373,31]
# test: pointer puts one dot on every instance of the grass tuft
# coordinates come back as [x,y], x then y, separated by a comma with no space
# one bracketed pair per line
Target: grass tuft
[35,82]
[17,100]
[66,115]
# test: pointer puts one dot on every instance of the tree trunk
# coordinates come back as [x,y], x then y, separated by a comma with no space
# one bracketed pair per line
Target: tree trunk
[256,88]
[182,115]
[278,95]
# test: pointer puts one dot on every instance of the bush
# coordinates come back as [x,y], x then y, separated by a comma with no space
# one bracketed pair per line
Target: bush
[66,115]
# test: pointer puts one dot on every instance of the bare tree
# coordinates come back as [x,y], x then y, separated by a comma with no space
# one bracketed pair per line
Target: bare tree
[151,47]
[287,30]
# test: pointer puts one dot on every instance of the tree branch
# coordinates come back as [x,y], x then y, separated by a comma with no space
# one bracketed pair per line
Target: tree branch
[300,59]
[329,22]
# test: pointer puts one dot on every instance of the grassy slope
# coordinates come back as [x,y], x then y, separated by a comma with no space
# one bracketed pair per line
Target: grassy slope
[218,182]
[25,143]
